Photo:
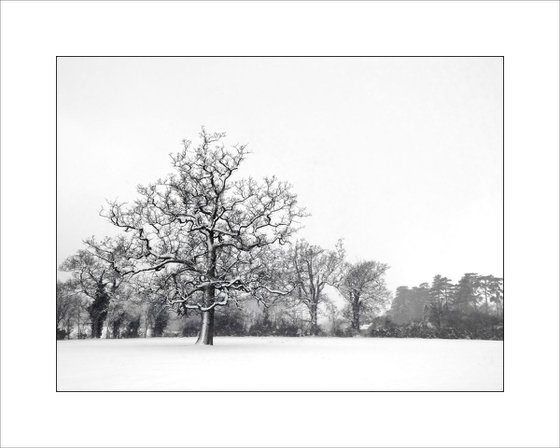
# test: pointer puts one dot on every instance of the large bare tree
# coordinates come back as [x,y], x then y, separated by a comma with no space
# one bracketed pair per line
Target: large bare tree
[204,232]
[316,268]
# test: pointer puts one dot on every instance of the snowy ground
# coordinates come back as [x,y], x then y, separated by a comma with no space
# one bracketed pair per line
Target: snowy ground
[270,363]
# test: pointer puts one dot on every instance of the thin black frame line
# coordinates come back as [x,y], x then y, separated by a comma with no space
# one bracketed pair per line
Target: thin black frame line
[291,391]
[503,224]
[280,391]
[307,1]
[56,201]
[279,56]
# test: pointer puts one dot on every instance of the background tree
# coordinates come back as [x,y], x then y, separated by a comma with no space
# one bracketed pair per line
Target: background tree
[278,272]
[66,303]
[81,319]
[497,295]
[98,280]
[441,296]
[204,231]
[335,318]
[420,296]
[125,306]
[364,289]
[490,289]
[116,319]
[152,294]
[399,311]
[467,296]
[314,268]
[160,315]
[409,303]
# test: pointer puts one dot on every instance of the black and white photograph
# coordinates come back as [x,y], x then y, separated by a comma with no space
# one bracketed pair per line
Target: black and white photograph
[323,223]
[277,223]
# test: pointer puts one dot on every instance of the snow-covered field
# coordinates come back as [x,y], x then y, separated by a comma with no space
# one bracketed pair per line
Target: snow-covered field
[271,363]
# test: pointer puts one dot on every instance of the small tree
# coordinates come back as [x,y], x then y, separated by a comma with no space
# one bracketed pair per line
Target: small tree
[363,287]
[98,280]
[335,318]
[67,302]
[124,306]
[203,231]
[160,319]
[278,272]
[315,268]
[153,295]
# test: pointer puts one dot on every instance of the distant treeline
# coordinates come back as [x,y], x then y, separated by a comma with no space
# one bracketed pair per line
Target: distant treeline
[470,309]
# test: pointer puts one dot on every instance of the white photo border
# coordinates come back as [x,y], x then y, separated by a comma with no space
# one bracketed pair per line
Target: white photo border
[34,33]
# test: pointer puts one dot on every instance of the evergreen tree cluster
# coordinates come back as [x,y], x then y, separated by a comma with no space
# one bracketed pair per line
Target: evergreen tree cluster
[471,308]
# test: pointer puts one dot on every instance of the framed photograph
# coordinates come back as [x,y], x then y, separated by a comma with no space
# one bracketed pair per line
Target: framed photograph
[352,215]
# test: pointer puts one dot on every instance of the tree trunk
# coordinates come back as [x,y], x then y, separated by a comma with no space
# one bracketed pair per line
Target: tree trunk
[314,326]
[95,333]
[79,327]
[356,313]
[206,335]
[356,318]
[147,324]
[266,315]
[105,330]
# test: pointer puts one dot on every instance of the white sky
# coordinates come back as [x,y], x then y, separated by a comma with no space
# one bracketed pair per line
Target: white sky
[400,157]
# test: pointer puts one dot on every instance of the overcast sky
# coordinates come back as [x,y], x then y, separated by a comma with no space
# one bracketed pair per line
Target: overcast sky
[400,157]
